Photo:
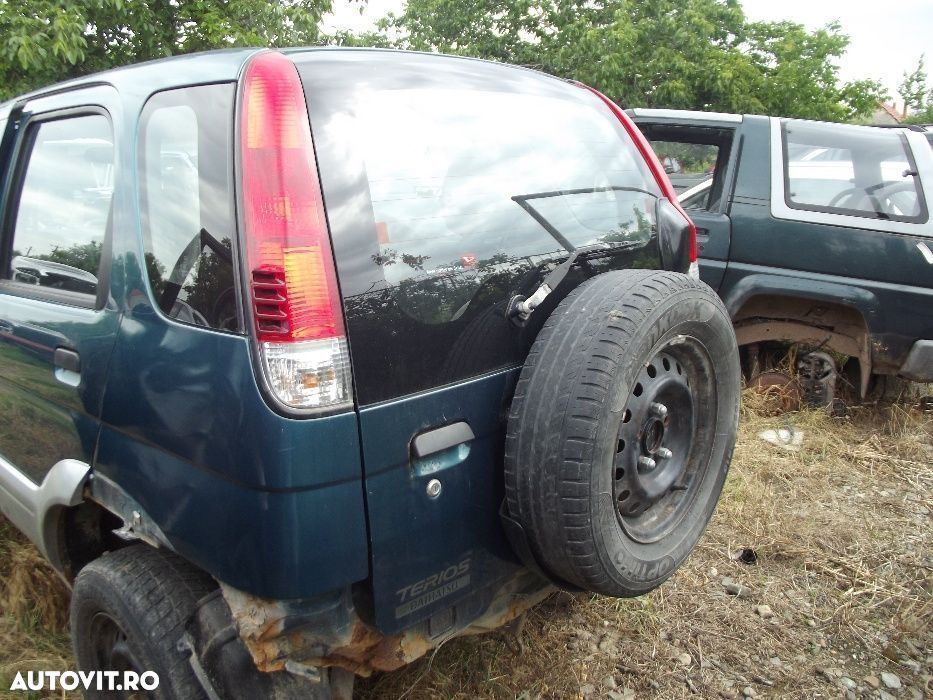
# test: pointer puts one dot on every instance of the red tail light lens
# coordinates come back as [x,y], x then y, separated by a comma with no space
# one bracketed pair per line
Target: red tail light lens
[293,283]
[653,164]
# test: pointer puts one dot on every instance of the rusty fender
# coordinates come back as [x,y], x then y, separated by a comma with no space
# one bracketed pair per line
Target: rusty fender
[280,632]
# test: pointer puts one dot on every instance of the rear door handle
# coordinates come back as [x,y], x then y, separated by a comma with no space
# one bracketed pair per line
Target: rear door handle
[440,439]
[67,367]
[68,360]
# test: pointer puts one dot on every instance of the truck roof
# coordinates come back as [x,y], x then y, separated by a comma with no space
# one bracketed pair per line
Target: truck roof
[722,117]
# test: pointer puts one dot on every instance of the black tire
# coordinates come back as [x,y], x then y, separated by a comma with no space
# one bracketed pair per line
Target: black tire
[570,479]
[128,611]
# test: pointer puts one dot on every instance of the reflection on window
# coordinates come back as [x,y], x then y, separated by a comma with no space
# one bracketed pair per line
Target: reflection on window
[458,193]
[186,205]
[850,170]
[64,204]
[688,165]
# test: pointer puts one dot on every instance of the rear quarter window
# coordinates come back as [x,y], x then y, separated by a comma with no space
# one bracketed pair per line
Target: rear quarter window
[186,198]
[448,184]
[854,171]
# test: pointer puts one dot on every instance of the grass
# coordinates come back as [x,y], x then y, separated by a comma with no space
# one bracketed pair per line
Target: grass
[844,544]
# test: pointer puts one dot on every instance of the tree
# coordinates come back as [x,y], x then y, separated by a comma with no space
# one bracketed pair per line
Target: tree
[696,54]
[83,256]
[918,101]
[51,40]
[913,87]
[801,77]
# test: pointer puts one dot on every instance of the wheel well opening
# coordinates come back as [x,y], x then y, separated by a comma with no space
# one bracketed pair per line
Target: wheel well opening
[821,324]
[85,533]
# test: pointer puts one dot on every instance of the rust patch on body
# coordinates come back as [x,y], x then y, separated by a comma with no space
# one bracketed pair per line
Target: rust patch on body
[276,632]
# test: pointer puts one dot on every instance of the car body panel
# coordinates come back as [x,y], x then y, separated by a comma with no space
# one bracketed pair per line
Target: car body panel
[52,415]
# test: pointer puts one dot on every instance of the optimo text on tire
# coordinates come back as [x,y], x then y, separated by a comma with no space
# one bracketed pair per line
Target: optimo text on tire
[622,429]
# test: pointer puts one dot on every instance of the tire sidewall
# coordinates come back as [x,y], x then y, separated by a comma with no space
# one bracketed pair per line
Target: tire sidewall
[93,594]
[637,567]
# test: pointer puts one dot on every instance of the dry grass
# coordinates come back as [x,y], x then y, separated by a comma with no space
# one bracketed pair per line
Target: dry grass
[842,531]
[33,612]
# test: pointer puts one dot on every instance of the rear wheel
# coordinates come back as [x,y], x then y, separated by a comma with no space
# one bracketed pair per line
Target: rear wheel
[128,611]
[622,429]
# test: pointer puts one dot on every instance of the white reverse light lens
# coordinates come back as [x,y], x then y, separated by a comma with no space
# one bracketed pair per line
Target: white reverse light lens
[694,270]
[309,373]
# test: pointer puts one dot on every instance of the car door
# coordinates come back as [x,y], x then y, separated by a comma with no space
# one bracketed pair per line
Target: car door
[698,159]
[435,213]
[57,325]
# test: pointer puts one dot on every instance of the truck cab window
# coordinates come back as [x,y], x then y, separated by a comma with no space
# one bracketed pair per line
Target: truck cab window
[839,169]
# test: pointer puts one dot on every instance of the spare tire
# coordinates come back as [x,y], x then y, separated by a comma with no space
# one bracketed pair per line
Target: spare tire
[621,430]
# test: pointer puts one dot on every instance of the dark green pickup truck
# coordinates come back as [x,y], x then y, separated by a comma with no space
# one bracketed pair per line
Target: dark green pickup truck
[815,235]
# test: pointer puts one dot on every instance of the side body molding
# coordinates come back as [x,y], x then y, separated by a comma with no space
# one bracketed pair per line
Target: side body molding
[32,508]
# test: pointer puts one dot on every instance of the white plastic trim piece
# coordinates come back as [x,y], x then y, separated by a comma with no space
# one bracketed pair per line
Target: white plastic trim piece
[687,114]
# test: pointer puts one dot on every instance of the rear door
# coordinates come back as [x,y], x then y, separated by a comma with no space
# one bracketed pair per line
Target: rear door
[57,323]
[431,168]
[698,158]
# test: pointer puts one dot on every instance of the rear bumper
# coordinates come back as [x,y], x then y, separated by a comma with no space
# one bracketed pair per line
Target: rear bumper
[919,363]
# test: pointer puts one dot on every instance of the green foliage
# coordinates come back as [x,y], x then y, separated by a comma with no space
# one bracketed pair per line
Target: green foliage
[83,256]
[51,40]
[917,99]
[688,54]
[913,87]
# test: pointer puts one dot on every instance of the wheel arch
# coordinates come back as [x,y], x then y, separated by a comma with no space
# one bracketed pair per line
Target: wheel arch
[38,510]
[73,515]
[797,315]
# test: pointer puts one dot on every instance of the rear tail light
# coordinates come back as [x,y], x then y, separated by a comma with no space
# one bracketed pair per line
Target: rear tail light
[293,290]
[653,164]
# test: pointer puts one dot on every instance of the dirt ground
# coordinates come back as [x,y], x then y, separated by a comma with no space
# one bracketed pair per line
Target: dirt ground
[834,589]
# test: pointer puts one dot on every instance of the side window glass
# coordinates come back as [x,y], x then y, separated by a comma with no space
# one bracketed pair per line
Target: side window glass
[691,168]
[856,171]
[187,204]
[64,206]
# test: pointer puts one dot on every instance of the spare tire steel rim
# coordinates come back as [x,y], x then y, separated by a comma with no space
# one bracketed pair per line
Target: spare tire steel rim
[661,447]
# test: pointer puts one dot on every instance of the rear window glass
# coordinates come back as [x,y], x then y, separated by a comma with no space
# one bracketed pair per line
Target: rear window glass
[848,170]
[454,187]
[449,183]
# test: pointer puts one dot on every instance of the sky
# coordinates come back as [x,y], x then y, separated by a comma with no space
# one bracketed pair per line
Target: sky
[886,40]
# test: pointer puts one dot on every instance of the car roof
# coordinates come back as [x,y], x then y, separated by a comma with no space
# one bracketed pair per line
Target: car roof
[218,65]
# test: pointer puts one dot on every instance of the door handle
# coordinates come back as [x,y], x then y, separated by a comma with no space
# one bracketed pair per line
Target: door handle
[702,234]
[68,360]
[440,439]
